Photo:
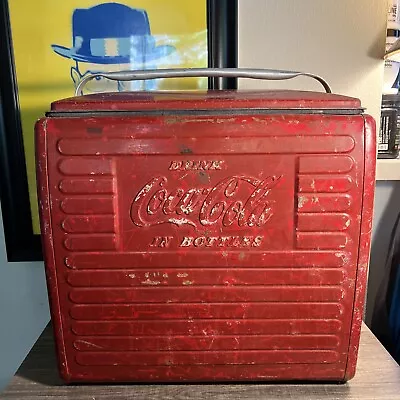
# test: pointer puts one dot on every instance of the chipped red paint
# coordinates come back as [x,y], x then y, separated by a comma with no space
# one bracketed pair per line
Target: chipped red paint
[223,99]
[365,244]
[206,237]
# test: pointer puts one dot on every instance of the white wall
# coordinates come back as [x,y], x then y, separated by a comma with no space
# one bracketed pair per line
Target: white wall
[24,310]
[341,40]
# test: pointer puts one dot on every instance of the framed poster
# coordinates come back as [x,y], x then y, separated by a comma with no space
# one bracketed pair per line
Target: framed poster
[47,47]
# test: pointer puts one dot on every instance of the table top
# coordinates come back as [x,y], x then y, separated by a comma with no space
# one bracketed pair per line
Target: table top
[377,377]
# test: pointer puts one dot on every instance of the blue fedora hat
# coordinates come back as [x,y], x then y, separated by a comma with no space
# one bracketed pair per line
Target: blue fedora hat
[112,33]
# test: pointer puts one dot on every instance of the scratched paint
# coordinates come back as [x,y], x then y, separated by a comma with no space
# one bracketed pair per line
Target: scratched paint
[148,308]
[301,201]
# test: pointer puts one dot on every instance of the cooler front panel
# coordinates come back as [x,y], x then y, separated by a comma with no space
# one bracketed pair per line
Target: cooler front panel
[202,248]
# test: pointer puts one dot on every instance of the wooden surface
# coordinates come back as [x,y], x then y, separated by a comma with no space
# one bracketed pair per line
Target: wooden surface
[377,377]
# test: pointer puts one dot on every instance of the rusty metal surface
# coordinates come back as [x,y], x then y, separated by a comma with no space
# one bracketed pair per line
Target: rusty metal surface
[206,248]
[212,100]
[377,378]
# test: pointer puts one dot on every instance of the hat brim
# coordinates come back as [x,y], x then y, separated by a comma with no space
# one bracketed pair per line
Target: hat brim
[154,54]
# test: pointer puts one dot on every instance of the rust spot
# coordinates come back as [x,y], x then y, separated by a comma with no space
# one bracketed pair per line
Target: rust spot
[98,130]
[185,150]
[257,119]
[150,282]
[204,177]
[172,120]
[177,120]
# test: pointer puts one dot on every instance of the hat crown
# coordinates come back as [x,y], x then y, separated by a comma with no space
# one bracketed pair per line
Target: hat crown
[108,20]
[112,33]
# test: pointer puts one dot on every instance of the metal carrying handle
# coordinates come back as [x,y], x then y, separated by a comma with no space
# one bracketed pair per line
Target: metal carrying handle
[140,75]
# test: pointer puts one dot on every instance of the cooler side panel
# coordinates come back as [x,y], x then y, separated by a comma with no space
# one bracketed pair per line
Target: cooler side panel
[46,227]
[365,242]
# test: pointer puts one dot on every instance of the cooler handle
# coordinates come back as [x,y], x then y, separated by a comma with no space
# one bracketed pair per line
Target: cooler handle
[140,75]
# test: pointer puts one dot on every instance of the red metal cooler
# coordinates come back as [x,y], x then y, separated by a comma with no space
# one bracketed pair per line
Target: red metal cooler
[206,236]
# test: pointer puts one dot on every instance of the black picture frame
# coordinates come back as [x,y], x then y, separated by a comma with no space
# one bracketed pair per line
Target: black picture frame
[21,242]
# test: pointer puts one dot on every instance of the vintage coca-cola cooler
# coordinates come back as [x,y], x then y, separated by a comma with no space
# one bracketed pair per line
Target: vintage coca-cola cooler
[206,236]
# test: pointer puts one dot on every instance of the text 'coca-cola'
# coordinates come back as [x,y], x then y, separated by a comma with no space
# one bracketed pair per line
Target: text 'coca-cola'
[236,200]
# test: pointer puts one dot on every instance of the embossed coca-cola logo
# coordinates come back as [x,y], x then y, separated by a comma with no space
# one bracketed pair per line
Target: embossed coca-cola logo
[236,200]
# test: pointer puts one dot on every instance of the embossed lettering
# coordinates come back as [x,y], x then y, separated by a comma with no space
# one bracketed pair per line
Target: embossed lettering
[216,164]
[186,241]
[257,241]
[195,165]
[222,241]
[210,241]
[175,165]
[235,201]
[199,241]
[161,241]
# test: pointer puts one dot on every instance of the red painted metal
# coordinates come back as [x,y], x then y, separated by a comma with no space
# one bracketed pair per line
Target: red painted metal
[206,237]
[219,99]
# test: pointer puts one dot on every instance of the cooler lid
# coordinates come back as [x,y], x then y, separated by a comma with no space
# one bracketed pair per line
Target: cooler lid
[208,100]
